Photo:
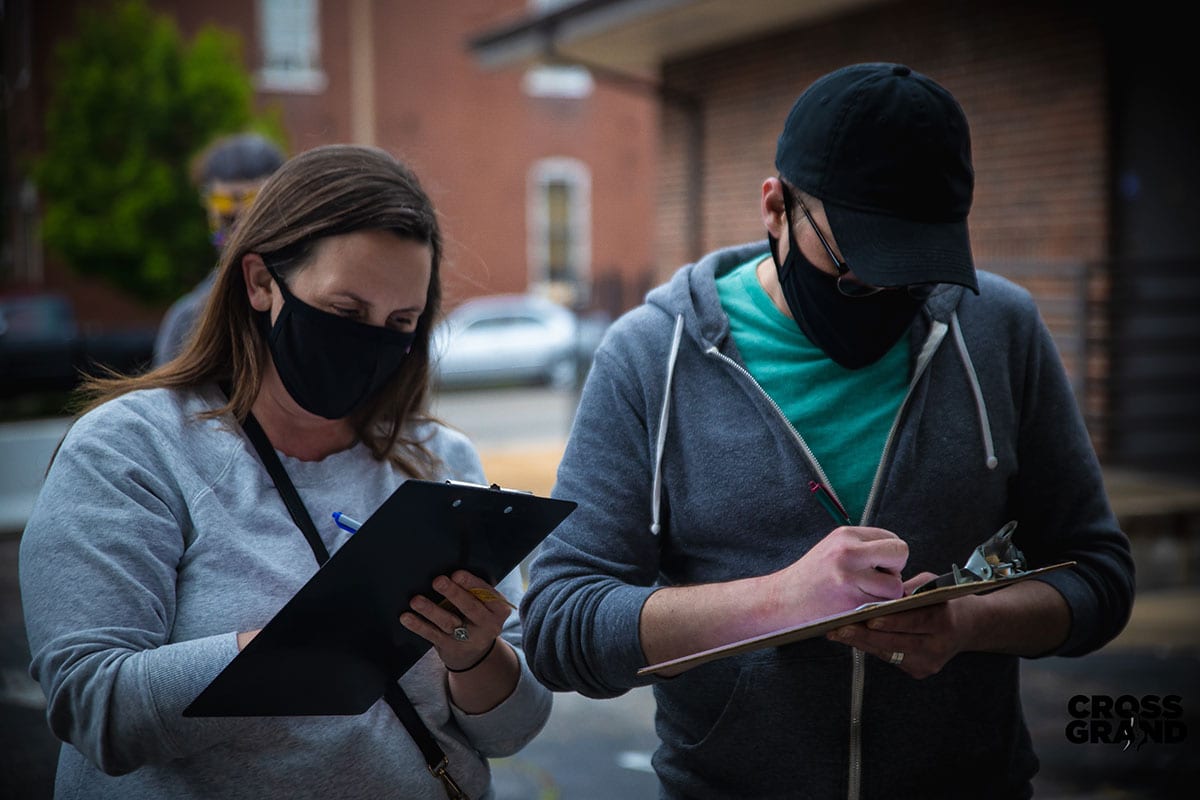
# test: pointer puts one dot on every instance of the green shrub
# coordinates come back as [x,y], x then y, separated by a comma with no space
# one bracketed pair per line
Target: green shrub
[131,104]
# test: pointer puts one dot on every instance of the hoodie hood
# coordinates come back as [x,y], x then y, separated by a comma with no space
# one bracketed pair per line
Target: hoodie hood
[691,298]
[692,293]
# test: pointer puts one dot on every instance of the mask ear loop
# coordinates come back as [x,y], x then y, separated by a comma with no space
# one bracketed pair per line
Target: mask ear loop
[283,289]
[774,241]
[288,297]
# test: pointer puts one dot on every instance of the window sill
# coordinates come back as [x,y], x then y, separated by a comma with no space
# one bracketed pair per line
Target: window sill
[293,81]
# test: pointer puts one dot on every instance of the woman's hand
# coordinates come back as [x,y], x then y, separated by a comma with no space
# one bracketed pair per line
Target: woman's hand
[463,629]
[244,638]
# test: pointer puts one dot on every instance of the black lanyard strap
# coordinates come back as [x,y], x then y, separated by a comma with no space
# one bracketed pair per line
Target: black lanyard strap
[435,757]
[287,490]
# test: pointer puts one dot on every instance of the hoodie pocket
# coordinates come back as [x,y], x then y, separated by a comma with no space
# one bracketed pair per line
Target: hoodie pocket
[765,724]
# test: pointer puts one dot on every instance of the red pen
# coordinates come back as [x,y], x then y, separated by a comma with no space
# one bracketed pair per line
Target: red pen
[829,503]
[835,509]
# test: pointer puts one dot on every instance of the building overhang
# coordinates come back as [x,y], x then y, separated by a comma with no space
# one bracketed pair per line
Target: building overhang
[636,37]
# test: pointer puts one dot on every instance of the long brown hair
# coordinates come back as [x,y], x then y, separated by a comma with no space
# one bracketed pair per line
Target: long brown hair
[327,191]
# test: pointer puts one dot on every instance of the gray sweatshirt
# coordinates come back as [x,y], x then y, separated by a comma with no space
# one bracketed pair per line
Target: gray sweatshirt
[155,539]
[687,473]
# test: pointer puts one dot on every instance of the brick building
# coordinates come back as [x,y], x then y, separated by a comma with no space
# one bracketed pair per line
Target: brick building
[1083,129]
[544,178]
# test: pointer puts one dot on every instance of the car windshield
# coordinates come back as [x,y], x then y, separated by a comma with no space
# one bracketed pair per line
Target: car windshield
[507,321]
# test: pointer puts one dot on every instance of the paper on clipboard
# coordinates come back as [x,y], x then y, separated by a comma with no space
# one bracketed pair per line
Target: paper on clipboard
[822,626]
[335,645]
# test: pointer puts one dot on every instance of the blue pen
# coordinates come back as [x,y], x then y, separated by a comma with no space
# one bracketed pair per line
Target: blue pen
[346,523]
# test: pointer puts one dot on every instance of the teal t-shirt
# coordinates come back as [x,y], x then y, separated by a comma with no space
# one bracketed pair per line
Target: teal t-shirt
[843,414]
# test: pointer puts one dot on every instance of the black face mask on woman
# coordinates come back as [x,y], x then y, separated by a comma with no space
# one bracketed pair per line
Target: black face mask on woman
[853,331]
[331,365]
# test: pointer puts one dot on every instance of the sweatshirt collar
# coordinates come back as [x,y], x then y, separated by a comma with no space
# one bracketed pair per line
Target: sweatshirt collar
[692,292]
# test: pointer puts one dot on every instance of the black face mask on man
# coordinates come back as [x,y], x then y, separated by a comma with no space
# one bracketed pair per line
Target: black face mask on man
[331,365]
[853,331]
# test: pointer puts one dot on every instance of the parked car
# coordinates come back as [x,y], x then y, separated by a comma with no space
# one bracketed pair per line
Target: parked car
[514,339]
[43,349]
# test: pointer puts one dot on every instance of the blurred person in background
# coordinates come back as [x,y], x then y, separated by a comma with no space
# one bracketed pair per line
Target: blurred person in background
[229,172]
[159,544]
[792,428]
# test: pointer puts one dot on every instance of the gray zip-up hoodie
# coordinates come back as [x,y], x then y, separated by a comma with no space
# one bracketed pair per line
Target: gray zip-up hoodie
[686,473]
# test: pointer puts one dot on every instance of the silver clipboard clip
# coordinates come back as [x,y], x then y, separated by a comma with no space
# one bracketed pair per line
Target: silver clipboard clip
[996,558]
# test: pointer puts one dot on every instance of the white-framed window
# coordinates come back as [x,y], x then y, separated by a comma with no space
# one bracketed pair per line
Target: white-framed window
[559,229]
[565,82]
[290,35]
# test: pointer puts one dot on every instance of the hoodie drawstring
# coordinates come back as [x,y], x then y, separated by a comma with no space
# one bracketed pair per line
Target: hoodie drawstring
[663,417]
[980,408]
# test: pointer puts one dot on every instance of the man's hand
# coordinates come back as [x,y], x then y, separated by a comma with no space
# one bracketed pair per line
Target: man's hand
[849,567]
[926,638]
[1027,619]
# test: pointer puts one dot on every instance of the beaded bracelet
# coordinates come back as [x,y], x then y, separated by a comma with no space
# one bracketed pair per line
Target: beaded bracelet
[478,661]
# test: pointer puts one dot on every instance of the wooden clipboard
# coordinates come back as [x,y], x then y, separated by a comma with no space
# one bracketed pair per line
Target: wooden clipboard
[822,626]
[333,648]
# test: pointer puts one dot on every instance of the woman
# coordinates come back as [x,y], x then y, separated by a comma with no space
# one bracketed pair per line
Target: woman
[159,544]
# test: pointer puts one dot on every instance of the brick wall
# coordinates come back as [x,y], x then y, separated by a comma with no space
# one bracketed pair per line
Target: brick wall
[1031,78]
[471,135]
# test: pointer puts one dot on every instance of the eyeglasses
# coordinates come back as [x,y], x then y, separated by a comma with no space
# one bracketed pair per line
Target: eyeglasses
[851,287]
[848,286]
[228,204]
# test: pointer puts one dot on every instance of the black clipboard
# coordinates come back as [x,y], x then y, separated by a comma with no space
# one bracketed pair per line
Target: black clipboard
[333,648]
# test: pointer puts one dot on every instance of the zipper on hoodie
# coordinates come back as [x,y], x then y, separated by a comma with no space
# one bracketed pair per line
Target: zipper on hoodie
[937,332]
[808,453]
[858,682]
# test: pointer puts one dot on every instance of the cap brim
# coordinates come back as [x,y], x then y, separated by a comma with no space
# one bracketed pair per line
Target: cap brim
[888,251]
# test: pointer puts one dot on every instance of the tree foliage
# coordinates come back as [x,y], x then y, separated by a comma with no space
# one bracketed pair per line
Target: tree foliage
[132,103]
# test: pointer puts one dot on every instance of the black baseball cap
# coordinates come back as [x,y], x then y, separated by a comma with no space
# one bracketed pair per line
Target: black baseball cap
[887,150]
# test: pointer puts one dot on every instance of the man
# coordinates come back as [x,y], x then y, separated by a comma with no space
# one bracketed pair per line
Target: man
[855,362]
[230,171]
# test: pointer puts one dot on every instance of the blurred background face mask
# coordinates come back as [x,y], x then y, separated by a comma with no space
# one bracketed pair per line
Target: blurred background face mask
[853,331]
[331,365]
